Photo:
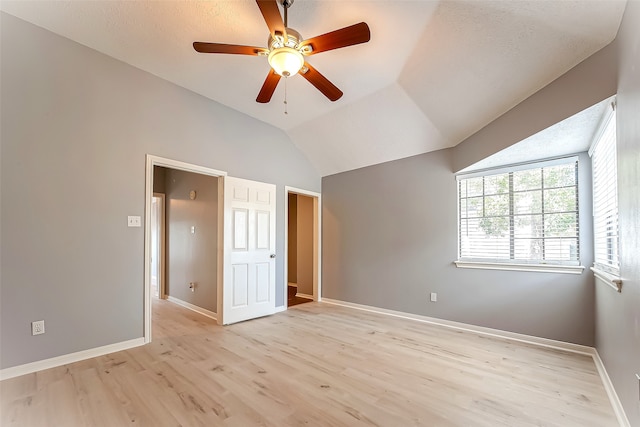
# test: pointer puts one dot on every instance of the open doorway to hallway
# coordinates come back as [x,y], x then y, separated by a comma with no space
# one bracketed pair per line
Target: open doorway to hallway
[302,266]
[188,203]
[183,226]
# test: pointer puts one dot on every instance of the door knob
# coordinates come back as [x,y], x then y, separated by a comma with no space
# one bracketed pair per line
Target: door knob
[272,256]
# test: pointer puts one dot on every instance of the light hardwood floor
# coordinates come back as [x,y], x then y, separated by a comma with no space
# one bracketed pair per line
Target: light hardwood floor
[313,365]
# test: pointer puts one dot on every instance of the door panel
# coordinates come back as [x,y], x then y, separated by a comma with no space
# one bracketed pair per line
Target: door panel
[262,231]
[240,285]
[249,243]
[262,282]
[240,229]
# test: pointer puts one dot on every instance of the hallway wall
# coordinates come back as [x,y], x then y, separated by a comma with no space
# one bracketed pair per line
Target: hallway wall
[192,254]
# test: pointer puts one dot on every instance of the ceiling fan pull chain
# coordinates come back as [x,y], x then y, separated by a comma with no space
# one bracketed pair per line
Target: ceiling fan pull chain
[285,96]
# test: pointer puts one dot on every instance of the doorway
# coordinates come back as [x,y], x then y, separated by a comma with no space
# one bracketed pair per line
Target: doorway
[302,246]
[151,243]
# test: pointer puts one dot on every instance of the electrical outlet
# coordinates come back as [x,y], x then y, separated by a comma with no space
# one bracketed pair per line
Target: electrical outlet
[37,327]
[434,297]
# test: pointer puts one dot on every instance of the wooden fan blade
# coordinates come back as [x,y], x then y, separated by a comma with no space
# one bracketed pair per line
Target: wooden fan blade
[347,36]
[271,15]
[321,83]
[268,87]
[203,47]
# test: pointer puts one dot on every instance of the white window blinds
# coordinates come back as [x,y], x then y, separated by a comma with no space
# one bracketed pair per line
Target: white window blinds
[525,215]
[605,198]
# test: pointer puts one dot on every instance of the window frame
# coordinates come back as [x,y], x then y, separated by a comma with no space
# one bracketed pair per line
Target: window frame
[512,264]
[608,271]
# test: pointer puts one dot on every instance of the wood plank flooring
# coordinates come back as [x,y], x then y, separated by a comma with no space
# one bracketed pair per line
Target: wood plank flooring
[313,365]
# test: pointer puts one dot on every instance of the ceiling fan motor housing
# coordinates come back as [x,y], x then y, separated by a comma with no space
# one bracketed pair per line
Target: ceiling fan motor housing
[285,52]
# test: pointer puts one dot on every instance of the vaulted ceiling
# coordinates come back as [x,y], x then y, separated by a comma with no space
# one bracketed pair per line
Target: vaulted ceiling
[433,73]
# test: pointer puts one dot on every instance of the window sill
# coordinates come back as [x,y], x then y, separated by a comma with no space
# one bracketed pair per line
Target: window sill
[608,279]
[543,268]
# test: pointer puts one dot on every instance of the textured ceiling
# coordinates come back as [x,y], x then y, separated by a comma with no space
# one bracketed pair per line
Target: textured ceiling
[433,73]
[572,135]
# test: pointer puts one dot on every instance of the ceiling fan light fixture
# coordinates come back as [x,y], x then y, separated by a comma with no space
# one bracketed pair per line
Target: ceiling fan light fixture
[286,50]
[286,61]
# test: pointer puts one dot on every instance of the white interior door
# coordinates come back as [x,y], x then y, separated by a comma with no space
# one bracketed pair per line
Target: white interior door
[249,250]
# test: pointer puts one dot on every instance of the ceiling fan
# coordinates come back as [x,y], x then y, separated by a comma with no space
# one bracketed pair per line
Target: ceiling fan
[287,50]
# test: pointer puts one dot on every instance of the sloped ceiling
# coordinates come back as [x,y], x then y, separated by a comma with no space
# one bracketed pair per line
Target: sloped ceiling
[433,73]
[573,135]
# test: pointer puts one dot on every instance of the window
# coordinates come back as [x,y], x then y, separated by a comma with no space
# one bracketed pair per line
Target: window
[526,215]
[605,197]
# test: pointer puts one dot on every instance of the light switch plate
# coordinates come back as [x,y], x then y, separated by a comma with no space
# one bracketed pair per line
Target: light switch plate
[134,221]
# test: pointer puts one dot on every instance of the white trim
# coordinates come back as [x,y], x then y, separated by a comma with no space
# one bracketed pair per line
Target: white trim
[65,359]
[188,167]
[281,308]
[604,122]
[515,167]
[304,296]
[152,161]
[317,241]
[527,339]
[611,391]
[162,243]
[608,279]
[220,252]
[192,307]
[544,268]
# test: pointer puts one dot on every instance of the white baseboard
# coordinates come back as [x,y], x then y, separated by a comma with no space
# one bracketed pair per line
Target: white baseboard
[65,359]
[304,295]
[192,307]
[611,391]
[529,339]
[281,308]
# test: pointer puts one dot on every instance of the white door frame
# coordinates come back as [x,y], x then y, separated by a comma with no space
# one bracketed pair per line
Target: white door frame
[161,245]
[152,161]
[317,233]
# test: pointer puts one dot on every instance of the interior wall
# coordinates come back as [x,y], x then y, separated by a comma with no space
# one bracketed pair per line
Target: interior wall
[76,126]
[192,254]
[391,244]
[618,314]
[292,239]
[305,245]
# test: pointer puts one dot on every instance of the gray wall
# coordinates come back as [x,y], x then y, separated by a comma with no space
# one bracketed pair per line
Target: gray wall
[192,257]
[75,128]
[618,314]
[390,238]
